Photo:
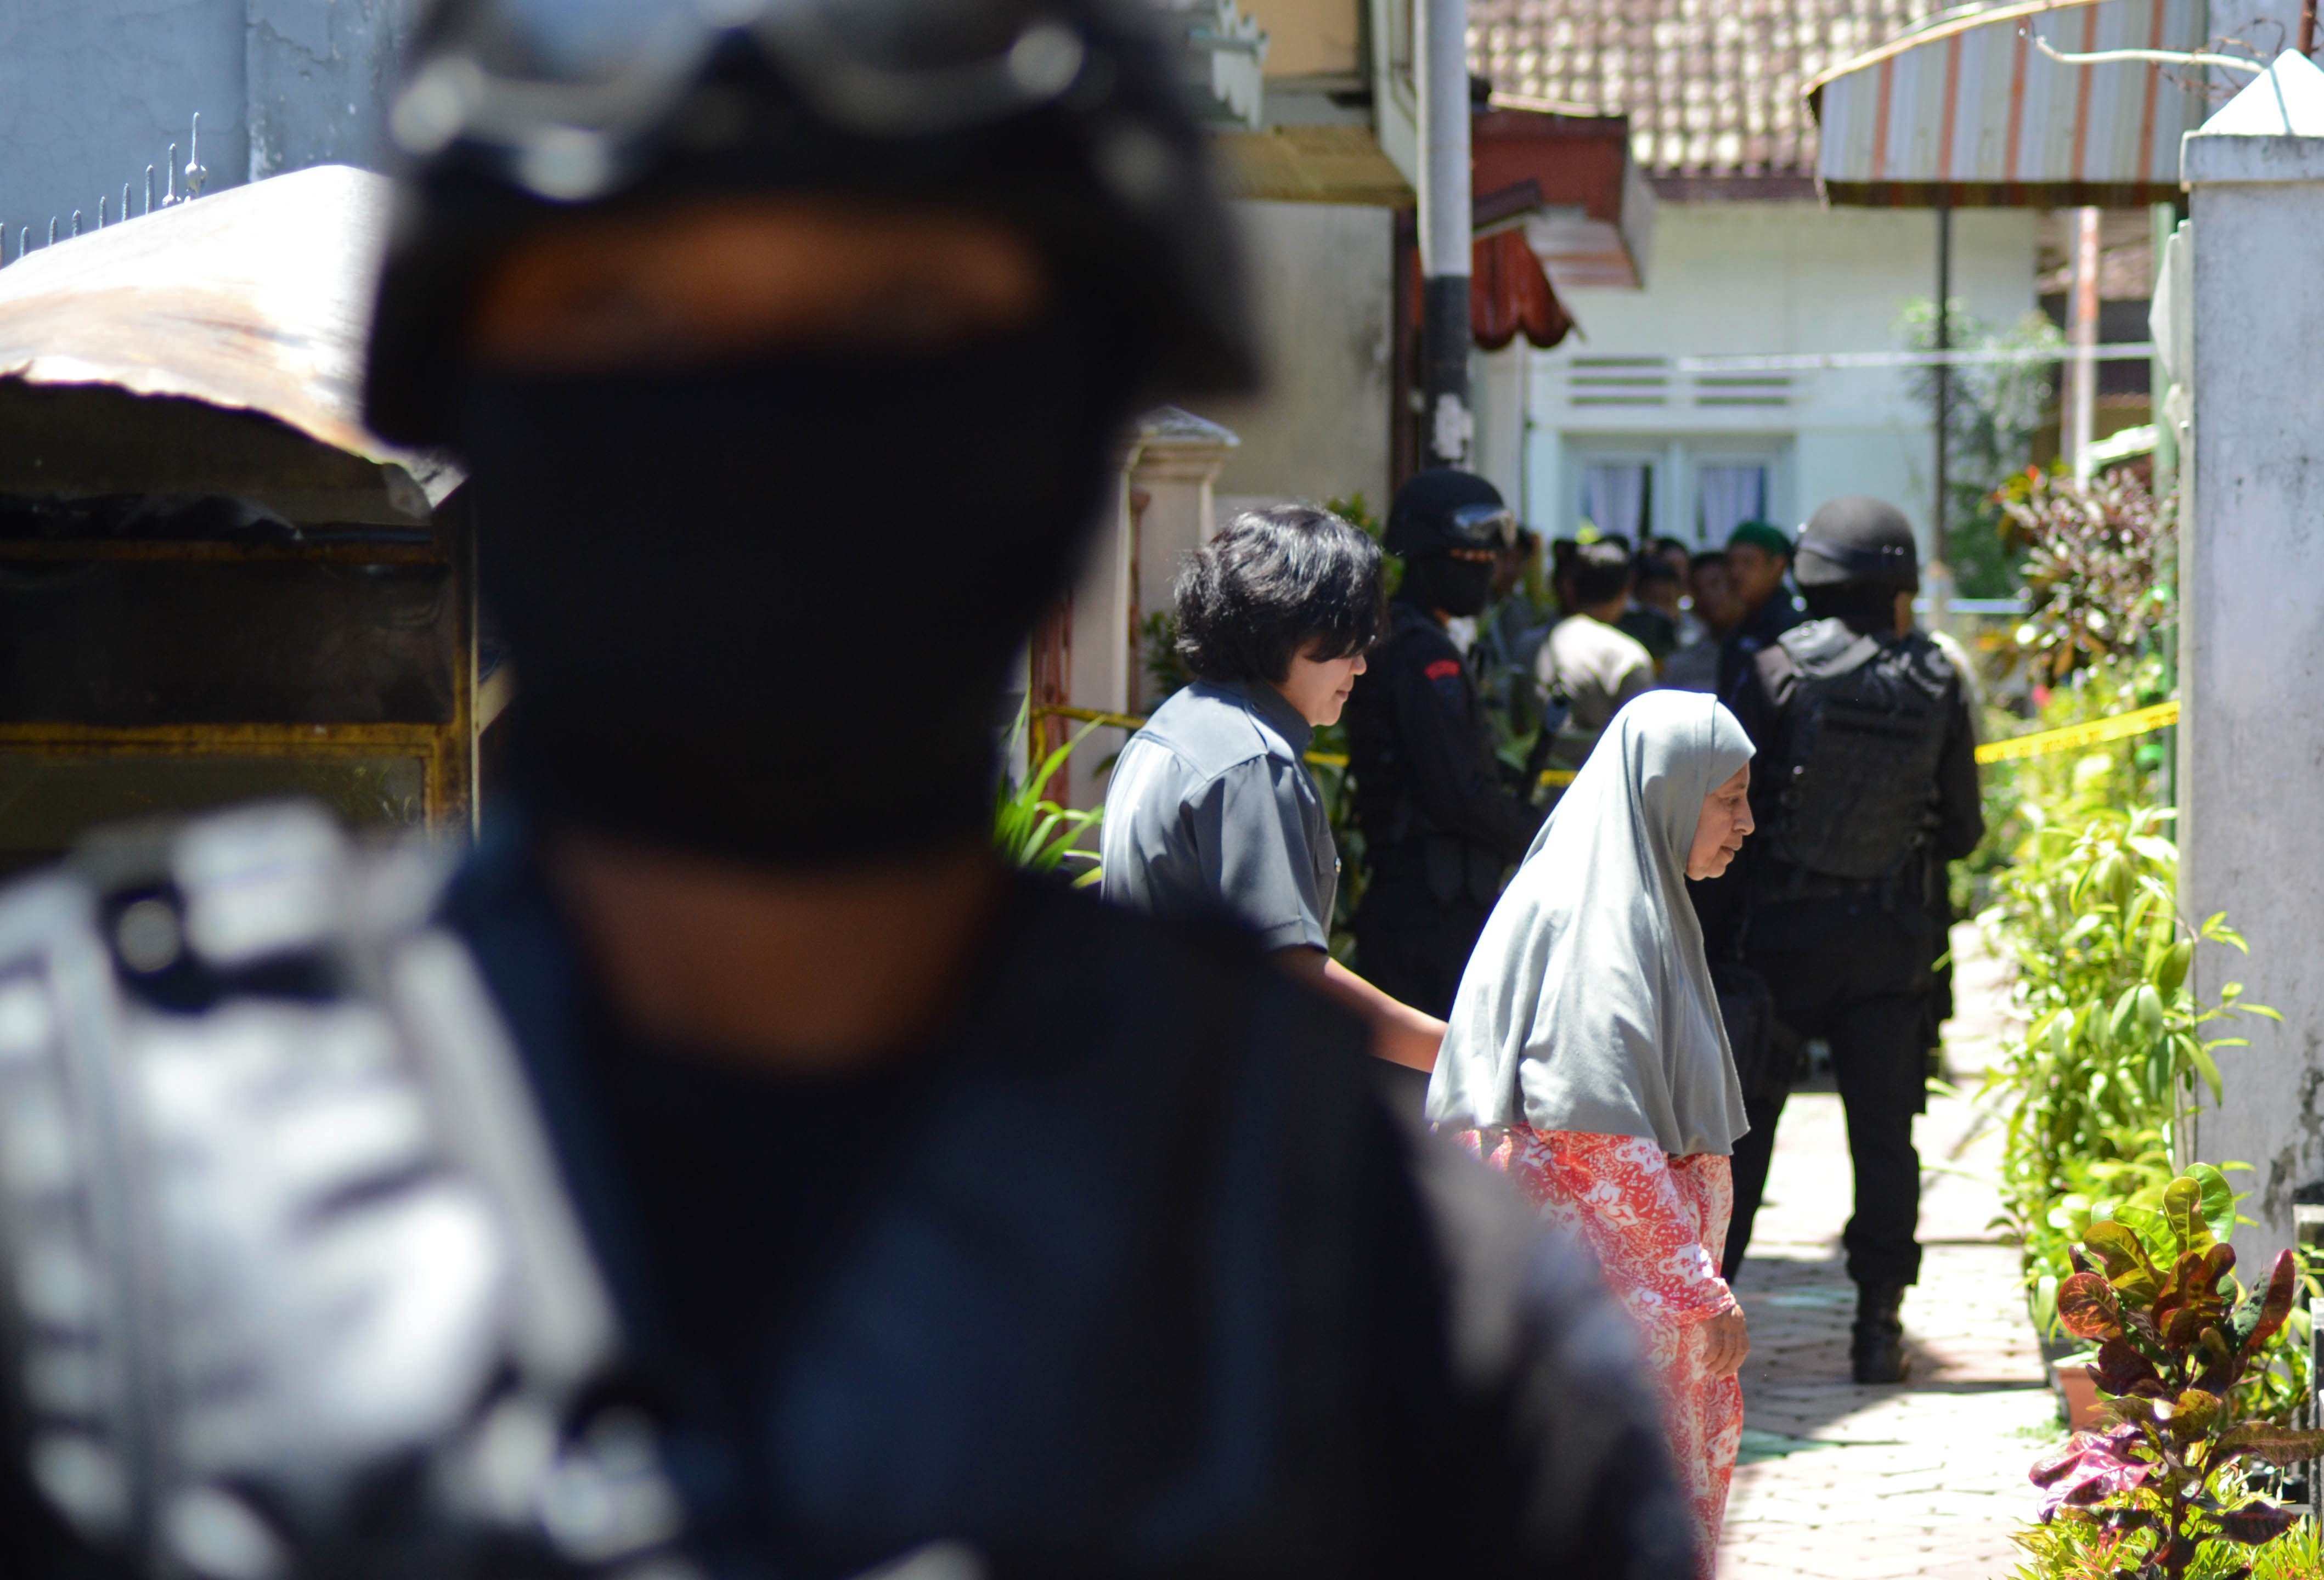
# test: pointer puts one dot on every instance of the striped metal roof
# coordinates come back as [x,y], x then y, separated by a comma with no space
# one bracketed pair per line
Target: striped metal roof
[1712,86]
[1971,111]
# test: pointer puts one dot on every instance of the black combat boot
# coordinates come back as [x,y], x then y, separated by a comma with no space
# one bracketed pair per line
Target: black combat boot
[1876,1350]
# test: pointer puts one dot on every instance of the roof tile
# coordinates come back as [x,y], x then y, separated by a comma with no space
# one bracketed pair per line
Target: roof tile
[1712,86]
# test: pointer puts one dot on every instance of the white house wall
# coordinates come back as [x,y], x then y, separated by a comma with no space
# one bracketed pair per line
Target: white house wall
[1739,278]
[1319,428]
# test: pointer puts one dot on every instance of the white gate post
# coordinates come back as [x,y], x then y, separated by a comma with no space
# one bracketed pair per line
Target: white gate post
[1179,457]
[2252,621]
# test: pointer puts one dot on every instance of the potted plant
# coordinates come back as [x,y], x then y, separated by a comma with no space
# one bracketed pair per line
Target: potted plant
[2182,1352]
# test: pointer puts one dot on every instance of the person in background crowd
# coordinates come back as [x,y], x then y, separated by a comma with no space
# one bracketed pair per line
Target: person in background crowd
[1758,561]
[1560,574]
[1675,554]
[1868,787]
[1653,617]
[1713,613]
[1440,824]
[1211,806]
[1509,635]
[1587,658]
[816,1195]
[1587,1055]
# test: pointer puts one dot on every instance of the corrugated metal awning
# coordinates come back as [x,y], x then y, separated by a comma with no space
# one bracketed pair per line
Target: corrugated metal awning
[1971,113]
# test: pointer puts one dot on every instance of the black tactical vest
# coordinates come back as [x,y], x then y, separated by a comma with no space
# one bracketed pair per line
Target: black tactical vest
[1858,793]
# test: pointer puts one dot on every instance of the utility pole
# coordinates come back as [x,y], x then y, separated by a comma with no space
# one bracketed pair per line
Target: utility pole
[2083,334]
[1447,428]
[1938,545]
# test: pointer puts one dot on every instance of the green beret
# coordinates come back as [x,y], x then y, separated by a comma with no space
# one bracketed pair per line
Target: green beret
[1764,536]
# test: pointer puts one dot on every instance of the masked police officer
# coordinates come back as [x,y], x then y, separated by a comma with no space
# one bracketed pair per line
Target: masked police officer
[730,1169]
[1870,789]
[1440,824]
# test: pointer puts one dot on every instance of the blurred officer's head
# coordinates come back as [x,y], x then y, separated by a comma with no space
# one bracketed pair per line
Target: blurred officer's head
[787,343]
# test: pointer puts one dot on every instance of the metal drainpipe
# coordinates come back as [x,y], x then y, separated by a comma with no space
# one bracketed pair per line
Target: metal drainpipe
[1447,427]
[2163,220]
[2084,318]
[1939,547]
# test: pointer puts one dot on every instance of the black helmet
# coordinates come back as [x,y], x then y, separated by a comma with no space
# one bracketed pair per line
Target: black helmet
[1447,509]
[1854,540]
[1061,116]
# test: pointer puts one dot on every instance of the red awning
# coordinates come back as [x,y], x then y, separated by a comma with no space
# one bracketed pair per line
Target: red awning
[1509,294]
[1590,207]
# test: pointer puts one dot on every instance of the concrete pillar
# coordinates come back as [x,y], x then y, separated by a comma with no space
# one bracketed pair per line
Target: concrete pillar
[2251,626]
[1173,512]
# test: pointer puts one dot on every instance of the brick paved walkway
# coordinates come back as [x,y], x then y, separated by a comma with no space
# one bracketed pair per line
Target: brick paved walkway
[1927,1478]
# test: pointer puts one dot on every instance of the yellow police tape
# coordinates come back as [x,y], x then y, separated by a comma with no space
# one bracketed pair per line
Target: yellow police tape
[1130,721]
[2139,722]
[2068,738]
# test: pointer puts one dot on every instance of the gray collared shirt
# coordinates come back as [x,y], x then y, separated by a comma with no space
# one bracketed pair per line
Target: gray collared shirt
[1211,806]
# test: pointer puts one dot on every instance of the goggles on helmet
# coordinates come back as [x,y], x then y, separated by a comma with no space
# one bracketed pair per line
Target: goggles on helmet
[1483,526]
[570,96]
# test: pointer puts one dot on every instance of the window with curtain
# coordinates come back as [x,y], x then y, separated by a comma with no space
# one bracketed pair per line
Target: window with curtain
[1617,497]
[1727,494]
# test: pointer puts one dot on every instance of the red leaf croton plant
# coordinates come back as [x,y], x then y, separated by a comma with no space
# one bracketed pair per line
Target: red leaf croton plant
[2176,1334]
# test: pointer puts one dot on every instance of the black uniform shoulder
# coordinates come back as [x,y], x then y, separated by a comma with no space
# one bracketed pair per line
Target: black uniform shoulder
[186,1006]
[1823,647]
[1414,637]
[1929,665]
[1128,985]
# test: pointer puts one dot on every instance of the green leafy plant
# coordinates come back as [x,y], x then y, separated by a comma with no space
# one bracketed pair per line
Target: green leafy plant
[1992,411]
[1029,829]
[2074,1550]
[1157,654]
[2177,1336]
[2096,569]
[2116,1050]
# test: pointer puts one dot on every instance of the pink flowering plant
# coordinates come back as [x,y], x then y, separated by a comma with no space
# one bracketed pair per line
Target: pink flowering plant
[2179,1339]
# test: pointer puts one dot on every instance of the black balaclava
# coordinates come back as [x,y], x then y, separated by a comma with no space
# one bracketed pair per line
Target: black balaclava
[1424,524]
[1460,587]
[1867,608]
[766,609]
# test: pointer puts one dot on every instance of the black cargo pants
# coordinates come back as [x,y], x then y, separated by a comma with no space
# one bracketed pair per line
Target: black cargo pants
[1414,946]
[1855,972]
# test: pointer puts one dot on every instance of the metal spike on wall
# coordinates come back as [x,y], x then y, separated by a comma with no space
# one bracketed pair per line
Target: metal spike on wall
[195,174]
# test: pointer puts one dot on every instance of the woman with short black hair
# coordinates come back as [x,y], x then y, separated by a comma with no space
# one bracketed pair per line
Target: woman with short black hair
[1211,808]
[1278,584]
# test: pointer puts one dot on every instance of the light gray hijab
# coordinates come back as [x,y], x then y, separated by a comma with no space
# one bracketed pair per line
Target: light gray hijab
[1587,1004]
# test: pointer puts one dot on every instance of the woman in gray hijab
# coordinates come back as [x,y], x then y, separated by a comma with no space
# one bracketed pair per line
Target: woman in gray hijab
[1586,1058]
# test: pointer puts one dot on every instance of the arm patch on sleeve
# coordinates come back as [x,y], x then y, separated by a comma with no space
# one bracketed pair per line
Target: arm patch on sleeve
[1443,669]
